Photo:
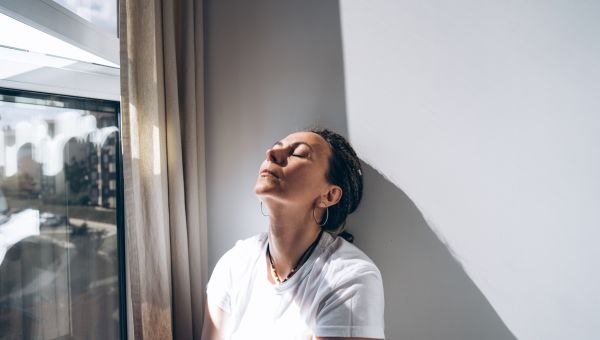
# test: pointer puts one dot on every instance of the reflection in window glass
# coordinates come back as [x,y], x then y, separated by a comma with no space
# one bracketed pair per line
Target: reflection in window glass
[102,13]
[58,217]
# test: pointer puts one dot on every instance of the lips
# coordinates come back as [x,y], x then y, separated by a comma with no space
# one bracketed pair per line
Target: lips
[269,172]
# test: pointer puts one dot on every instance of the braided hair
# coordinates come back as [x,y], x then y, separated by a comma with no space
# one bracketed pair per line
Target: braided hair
[344,171]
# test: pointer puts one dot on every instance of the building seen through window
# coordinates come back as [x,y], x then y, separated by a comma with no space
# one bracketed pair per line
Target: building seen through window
[59,198]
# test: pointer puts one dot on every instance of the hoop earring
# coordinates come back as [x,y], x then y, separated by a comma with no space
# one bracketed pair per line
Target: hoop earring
[326,217]
[261,210]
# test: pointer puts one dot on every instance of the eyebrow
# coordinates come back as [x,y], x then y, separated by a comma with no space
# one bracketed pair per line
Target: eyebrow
[294,144]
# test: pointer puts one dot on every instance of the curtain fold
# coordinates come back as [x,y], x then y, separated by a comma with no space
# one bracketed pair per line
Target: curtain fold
[162,108]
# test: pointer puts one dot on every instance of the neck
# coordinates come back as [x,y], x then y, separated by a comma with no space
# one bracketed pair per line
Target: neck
[290,234]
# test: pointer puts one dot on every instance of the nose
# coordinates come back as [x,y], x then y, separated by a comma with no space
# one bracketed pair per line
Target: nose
[276,155]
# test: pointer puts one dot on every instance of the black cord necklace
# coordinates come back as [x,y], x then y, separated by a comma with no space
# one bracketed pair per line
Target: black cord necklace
[300,262]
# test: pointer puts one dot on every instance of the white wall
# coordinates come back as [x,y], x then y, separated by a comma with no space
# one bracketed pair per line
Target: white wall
[276,66]
[487,114]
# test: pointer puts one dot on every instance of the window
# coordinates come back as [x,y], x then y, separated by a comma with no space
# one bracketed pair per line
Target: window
[60,224]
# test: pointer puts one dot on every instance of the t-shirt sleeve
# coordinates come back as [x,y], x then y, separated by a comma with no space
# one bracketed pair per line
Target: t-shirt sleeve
[219,285]
[354,308]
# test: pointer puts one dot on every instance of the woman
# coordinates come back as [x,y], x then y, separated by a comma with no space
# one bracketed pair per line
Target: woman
[299,280]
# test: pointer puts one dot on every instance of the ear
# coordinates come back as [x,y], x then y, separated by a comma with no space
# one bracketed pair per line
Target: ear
[331,197]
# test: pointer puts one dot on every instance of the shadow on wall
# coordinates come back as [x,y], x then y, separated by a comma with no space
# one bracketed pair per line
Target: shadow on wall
[428,294]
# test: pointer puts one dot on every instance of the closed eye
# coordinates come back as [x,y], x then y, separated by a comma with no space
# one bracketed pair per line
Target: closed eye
[291,153]
[298,153]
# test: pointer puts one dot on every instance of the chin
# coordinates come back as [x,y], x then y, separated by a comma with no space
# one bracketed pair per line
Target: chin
[268,194]
[261,190]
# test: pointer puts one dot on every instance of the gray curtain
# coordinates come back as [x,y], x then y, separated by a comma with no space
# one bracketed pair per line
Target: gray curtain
[163,143]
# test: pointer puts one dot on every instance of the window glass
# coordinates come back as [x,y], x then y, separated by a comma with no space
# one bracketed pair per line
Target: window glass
[59,260]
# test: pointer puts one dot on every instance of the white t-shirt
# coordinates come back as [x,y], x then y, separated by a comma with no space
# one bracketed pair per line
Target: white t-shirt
[338,292]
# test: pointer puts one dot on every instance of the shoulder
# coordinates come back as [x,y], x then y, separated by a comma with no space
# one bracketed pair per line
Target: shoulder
[253,243]
[352,300]
[234,267]
[345,262]
[238,260]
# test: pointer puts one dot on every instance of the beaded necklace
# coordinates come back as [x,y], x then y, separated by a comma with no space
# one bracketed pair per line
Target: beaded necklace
[300,262]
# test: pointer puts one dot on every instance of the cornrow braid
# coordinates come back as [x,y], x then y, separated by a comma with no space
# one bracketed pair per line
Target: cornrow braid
[344,171]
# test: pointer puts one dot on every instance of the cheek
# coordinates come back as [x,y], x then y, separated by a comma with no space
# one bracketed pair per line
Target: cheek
[308,183]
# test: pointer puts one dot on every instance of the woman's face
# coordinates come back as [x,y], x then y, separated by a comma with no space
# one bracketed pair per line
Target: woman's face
[294,170]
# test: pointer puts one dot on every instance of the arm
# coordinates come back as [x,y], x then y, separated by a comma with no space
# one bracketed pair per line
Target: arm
[215,322]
